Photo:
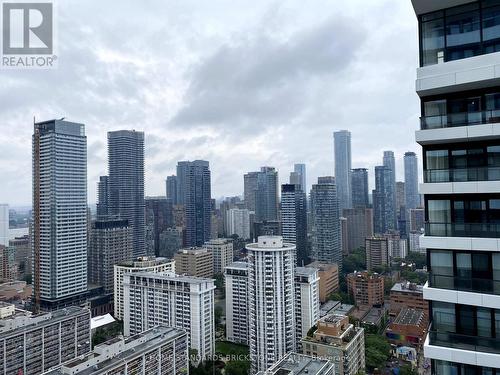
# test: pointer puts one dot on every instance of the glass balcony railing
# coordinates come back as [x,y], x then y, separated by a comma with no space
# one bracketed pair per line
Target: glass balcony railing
[484,230]
[465,342]
[460,119]
[462,174]
[487,286]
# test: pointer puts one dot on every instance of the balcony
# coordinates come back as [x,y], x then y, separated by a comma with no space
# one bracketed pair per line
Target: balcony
[460,119]
[488,286]
[480,230]
[464,342]
[462,174]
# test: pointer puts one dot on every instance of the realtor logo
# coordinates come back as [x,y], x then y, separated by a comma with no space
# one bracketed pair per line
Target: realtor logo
[28,35]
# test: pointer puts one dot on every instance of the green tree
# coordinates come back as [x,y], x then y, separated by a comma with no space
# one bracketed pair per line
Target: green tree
[407,370]
[377,351]
[356,261]
[419,259]
[218,312]
[237,368]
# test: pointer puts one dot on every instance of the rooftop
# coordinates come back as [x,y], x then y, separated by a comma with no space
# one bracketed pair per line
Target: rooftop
[24,320]
[115,351]
[409,317]
[238,265]
[174,277]
[266,243]
[305,271]
[408,288]
[299,364]
[145,262]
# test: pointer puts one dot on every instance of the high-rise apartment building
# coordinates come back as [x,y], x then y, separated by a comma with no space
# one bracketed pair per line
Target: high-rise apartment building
[237,295]
[159,217]
[250,187]
[390,163]
[306,301]
[384,201]
[160,350]
[194,261]
[412,197]
[194,192]
[342,151]
[4,224]
[359,226]
[103,196]
[32,344]
[59,214]
[271,289]
[359,179]
[110,244]
[294,220]
[459,89]
[142,264]
[326,231]
[171,189]
[300,171]
[126,183]
[238,221]
[266,194]
[222,253]
[172,300]
[377,252]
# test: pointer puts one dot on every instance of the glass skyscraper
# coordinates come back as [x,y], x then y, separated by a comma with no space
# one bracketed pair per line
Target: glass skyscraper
[412,198]
[194,192]
[59,214]
[360,188]
[326,230]
[294,220]
[126,183]
[342,151]
[384,210]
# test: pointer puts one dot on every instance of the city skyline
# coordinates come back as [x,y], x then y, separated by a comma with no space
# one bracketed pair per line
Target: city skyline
[136,89]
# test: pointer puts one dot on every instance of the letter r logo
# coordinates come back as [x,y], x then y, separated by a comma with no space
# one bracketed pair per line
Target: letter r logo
[27,28]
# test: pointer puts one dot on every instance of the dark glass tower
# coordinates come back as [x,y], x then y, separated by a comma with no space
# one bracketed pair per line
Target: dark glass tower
[194,192]
[126,183]
[384,212]
[326,230]
[294,220]
[360,188]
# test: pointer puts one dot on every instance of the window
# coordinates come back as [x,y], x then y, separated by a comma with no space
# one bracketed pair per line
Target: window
[443,316]
[491,23]
[437,159]
[463,33]
[432,38]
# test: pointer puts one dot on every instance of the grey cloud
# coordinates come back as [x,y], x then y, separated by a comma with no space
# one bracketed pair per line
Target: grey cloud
[258,81]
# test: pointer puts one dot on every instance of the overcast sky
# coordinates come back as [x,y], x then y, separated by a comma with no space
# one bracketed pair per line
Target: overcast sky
[238,83]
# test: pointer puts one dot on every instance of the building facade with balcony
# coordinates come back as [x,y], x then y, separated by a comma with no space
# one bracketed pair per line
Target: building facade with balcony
[458,83]
[271,289]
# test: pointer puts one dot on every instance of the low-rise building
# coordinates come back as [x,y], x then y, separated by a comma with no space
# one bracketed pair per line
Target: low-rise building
[340,342]
[141,264]
[32,344]
[328,279]
[160,350]
[300,364]
[236,280]
[407,295]
[366,288]
[194,261]
[409,327]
